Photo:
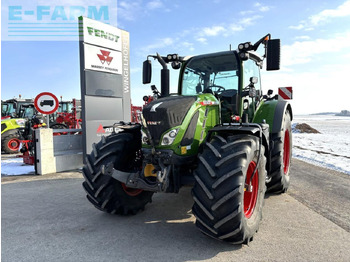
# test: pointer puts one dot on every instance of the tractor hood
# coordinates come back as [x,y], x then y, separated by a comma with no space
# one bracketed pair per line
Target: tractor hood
[165,113]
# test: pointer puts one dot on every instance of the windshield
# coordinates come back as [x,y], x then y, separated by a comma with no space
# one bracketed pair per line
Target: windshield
[28,112]
[210,73]
[3,109]
[65,107]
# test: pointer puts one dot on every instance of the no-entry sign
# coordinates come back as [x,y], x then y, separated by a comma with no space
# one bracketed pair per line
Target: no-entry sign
[46,103]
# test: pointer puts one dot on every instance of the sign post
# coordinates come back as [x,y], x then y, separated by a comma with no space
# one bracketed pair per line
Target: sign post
[104,77]
[47,104]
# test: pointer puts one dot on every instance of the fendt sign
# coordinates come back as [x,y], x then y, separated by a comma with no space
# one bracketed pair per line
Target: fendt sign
[105,78]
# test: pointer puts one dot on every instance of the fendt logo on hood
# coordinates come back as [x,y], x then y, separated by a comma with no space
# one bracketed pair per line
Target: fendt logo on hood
[105,57]
[154,107]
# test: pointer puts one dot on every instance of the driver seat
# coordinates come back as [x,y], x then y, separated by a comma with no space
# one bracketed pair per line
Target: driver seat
[228,105]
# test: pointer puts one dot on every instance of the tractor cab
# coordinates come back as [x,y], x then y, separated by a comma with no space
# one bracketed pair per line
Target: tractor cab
[216,74]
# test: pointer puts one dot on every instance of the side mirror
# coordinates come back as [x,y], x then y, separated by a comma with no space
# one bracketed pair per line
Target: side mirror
[147,72]
[273,54]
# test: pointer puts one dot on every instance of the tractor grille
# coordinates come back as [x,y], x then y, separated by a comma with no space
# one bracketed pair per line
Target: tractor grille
[165,113]
[3,127]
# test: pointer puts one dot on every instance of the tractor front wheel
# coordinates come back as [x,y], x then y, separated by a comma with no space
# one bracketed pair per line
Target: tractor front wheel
[228,198]
[10,144]
[122,150]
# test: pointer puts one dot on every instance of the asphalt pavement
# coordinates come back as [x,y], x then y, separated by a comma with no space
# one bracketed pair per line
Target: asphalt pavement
[48,218]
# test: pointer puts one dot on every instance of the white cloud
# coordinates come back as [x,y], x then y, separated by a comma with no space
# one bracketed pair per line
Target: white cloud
[248,21]
[134,70]
[202,40]
[297,27]
[154,4]
[129,10]
[227,29]
[261,7]
[323,16]
[302,37]
[340,11]
[301,52]
[188,45]
[160,43]
[248,12]
[212,31]
[132,10]
[311,89]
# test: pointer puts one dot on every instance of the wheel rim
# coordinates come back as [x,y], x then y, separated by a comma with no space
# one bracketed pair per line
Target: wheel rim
[13,144]
[131,191]
[286,152]
[251,197]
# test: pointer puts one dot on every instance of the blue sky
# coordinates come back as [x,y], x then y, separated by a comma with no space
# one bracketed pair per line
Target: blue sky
[315,38]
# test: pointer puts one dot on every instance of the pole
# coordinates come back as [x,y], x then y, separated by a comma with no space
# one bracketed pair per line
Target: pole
[48,121]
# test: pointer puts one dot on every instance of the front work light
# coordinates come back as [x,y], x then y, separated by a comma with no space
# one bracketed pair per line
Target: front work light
[169,137]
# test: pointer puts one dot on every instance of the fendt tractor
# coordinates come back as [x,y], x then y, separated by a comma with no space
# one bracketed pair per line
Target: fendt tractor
[218,134]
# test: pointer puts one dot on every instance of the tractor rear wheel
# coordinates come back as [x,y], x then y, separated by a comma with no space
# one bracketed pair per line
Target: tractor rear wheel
[104,192]
[281,156]
[225,206]
[10,144]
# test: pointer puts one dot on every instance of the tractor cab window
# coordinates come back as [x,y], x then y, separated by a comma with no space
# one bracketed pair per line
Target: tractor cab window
[28,112]
[10,109]
[250,69]
[210,74]
[65,107]
[4,109]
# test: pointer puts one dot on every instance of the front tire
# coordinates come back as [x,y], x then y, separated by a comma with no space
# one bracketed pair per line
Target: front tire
[103,191]
[223,206]
[281,156]
[11,143]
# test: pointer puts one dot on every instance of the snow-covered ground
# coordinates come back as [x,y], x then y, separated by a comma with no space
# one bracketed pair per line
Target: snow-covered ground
[331,148]
[14,166]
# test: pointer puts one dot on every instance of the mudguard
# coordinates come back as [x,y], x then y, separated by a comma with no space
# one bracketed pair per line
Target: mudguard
[272,112]
[9,132]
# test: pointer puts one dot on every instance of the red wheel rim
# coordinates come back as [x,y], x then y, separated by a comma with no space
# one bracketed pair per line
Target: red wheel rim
[131,191]
[286,152]
[13,144]
[250,198]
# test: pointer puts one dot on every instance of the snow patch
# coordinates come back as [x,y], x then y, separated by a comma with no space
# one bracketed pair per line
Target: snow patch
[330,149]
[15,167]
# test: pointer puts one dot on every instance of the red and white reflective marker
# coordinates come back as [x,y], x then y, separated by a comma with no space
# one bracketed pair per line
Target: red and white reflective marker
[46,103]
[285,93]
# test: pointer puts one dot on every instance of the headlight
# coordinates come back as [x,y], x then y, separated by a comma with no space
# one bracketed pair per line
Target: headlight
[20,122]
[144,138]
[169,137]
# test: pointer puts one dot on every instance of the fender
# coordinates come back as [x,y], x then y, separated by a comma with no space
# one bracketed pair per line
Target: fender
[272,112]
[9,132]
[250,129]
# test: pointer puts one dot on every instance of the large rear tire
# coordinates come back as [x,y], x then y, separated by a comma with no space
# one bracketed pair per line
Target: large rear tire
[281,156]
[223,205]
[103,191]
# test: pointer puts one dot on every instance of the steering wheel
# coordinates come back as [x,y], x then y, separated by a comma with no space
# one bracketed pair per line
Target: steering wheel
[219,89]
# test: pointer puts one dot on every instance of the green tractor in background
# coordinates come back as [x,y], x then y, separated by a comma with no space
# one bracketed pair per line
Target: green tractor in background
[219,134]
[12,129]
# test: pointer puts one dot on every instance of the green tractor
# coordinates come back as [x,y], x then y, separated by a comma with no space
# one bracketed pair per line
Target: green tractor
[218,134]
[12,128]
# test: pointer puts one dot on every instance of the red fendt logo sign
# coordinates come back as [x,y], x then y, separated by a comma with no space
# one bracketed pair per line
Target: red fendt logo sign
[105,57]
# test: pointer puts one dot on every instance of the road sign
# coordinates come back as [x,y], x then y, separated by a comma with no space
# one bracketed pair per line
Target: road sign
[46,103]
[285,93]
